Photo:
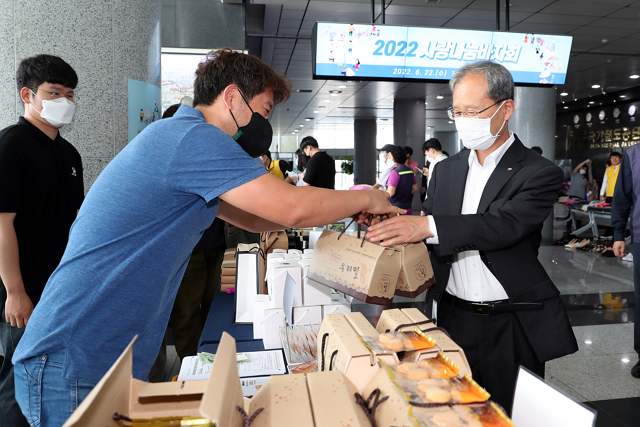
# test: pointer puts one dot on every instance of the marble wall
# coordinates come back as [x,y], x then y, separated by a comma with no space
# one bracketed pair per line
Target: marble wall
[106,41]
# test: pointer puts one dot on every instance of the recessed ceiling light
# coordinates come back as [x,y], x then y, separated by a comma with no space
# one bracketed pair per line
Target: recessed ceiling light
[634,76]
[622,96]
[591,102]
[575,99]
[327,101]
[625,360]
[308,119]
[595,86]
[588,342]
[335,92]
[429,127]
[294,132]
[439,97]
[565,107]
[315,111]
[342,86]
[564,94]
[426,103]
[300,126]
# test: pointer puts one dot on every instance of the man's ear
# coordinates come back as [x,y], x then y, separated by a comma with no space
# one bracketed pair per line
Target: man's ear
[229,95]
[509,107]
[25,95]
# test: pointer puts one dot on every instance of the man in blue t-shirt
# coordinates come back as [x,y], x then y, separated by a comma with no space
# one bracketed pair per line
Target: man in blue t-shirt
[129,247]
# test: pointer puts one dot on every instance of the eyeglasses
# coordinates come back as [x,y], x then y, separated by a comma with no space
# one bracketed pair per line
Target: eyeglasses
[453,114]
[53,94]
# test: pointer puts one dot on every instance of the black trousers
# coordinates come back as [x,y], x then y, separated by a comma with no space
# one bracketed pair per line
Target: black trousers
[495,346]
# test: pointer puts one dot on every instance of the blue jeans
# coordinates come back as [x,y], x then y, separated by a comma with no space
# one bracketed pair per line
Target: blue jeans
[44,395]
[10,415]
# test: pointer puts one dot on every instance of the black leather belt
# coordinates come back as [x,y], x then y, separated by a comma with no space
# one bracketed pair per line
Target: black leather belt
[490,307]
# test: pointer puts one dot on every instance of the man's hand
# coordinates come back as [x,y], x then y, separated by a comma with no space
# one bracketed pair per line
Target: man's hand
[17,309]
[400,229]
[618,248]
[425,171]
[379,204]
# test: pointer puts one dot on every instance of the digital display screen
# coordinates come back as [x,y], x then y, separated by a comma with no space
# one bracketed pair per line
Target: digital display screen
[386,52]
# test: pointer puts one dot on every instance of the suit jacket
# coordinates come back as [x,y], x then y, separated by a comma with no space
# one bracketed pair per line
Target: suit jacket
[506,231]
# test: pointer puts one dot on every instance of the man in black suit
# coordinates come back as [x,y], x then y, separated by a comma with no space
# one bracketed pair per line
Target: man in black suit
[485,209]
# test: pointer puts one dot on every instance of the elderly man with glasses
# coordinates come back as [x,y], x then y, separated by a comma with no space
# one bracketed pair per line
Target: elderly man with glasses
[484,214]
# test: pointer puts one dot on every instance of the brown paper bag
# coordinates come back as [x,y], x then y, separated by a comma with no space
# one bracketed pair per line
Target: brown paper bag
[361,269]
[416,273]
[272,240]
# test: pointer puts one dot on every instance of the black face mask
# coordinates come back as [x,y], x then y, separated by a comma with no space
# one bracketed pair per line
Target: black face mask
[255,137]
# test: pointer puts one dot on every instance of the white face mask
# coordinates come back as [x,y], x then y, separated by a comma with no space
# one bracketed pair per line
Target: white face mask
[58,112]
[389,162]
[476,133]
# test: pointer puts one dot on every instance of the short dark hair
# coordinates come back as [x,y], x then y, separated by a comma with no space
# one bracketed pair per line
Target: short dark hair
[308,141]
[170,111]
[398,153]
[301,160]
[616,154]
[408,151]
[35,70]
[432,143]
[224,67]
[268,154]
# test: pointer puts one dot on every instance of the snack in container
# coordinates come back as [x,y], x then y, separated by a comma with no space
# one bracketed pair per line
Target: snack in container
[443,391]
[435,367]
[405,341]
[486,414]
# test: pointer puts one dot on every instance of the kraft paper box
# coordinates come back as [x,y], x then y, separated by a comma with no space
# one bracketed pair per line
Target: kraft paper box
[363,270]
[285,402]
[416,273]
[395,411]
[117,391]
[333,401]
[341,348]
[390,320]
[272,240]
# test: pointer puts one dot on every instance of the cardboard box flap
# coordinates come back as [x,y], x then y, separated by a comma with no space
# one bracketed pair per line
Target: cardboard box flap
[349,340]
[333,401]
[111,394]
[283,401]
[361,325]
[223,393]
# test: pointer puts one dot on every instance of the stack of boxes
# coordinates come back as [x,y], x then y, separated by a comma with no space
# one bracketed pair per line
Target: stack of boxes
[228,275]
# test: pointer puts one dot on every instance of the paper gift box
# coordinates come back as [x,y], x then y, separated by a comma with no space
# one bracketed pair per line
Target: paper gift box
[392,320]
[341,348]
[358,268]
[307,315]
[272,240]
[416,273]
[314,293]
[333,401]
[338,308]
[249,281]
[118,392]
[277,281]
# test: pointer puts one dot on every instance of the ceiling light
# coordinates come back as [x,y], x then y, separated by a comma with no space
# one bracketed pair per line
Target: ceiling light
[595,86]
[591,102]
[564,94]
[307,119]
[450,122]
[342,86]
[426,103]
[327,101]
[565,107]
[622,96]
[634,76]
[429,127]
[625,360]
[575,99]
[588,342]
[315,111]
[335,92]
[300,126]
[439,97]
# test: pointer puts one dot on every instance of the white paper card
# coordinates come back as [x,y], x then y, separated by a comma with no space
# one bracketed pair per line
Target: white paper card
[272,324]
[307,315]
[246,286]
[257,363]
[261,303]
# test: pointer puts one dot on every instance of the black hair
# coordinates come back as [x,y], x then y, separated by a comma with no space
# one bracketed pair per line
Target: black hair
[308,141]
[616,154]
[432,143]
[35,70]
[302,159]
[408,151]
[398,153]
[268,154]
[224,67]
[170,111]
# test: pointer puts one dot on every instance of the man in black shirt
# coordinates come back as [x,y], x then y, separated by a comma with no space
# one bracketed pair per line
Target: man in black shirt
[321,168]
[41,189]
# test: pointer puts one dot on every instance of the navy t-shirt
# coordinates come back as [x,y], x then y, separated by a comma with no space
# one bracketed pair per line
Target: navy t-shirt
[129,247]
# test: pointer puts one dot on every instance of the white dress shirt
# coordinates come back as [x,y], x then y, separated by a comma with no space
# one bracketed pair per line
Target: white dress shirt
[470,279]
[432,165]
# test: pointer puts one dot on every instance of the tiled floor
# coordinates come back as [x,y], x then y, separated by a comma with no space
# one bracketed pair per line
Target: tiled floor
[598,292]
